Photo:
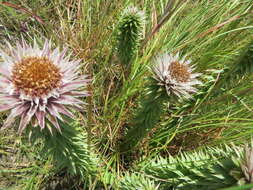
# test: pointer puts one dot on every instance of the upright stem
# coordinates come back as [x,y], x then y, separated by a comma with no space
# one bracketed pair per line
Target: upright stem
[146,118]
[69,149]
[89,113]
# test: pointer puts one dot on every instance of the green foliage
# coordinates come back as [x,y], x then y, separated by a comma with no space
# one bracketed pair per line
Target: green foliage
[244,187]
[130,33]
[211,168]
[136,181]
[21,167]
[245,63]
[69,149]
[147,116]
[241,69]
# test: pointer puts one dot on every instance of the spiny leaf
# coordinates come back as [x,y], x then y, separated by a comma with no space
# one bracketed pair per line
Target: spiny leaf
[211,168]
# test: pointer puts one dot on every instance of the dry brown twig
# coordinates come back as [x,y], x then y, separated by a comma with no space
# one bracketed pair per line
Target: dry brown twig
[22,9]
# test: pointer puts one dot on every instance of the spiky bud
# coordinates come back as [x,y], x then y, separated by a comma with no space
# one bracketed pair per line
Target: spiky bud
[130,32]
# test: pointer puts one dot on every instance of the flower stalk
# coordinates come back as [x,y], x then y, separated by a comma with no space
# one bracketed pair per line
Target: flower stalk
[173,79]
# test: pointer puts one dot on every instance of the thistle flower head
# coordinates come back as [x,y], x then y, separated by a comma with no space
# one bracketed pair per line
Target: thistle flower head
[247,164]
[175,75]
[39,85]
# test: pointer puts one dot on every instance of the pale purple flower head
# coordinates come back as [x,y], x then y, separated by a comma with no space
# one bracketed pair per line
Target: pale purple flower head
[39,85]
[177,76]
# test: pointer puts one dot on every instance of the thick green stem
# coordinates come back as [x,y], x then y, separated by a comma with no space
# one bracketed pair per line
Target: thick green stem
[147,117]
[69,149]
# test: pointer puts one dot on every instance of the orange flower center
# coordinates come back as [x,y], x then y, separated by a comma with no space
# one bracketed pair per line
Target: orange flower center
[179,72]
[36,76]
